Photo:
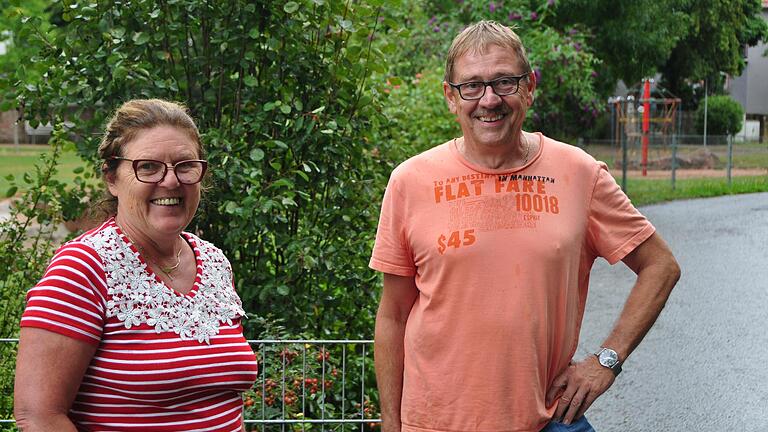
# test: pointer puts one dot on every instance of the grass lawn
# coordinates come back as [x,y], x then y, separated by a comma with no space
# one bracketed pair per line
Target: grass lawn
[17,161]
[650,191]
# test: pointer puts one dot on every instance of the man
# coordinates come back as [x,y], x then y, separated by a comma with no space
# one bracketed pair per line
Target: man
[486,243]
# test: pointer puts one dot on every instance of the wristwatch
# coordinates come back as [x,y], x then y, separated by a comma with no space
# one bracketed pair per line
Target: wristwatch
[610,359]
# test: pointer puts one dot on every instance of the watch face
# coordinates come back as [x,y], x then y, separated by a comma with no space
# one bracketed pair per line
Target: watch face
[608,357]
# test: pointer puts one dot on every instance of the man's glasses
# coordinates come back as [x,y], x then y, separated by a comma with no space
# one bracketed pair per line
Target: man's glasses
[503,86]
[153,171]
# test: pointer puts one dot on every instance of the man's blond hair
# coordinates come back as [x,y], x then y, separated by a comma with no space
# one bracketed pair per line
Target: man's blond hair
[477,37]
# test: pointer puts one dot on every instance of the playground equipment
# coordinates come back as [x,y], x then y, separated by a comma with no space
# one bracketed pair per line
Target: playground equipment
[648,113]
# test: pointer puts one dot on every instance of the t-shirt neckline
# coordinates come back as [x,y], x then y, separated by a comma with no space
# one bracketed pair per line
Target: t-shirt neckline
[461,159]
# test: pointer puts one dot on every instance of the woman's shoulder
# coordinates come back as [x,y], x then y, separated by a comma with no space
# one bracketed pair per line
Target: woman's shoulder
[85,243]
[92,242]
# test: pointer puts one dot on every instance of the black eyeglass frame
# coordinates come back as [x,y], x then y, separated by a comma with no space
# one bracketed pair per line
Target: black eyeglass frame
[135,163]
[491,83]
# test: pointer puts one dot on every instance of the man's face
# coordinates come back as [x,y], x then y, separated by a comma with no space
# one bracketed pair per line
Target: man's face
[492,120]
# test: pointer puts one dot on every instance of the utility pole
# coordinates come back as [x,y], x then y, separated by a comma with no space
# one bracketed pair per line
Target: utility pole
[705,112]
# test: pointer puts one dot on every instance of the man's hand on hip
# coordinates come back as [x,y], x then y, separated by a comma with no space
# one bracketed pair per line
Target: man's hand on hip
[577,387]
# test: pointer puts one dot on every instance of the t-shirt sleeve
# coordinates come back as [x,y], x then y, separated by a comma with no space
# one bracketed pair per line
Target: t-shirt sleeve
[391,251]
[69,299]
[616,227]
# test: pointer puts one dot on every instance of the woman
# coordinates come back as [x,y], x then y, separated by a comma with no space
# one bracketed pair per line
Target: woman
[135,325]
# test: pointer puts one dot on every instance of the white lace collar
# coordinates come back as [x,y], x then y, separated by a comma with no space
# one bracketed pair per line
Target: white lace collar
[137,295]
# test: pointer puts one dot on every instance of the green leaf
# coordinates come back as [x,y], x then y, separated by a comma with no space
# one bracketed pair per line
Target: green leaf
[140,38]
[254,33]
[354,50]
[231,207]
[78,170]
[250,81]
[291,7]
[283,290]
[119,73]
[286,109]
[117,32]
[11,191]
[287,201]
[257,154]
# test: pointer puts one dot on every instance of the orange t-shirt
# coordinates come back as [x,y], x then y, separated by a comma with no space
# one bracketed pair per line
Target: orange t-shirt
[501,259]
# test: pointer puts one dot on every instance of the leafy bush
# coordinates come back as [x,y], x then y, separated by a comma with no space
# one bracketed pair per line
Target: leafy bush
[724,116]
[27,240]
[417,115]
[281,94]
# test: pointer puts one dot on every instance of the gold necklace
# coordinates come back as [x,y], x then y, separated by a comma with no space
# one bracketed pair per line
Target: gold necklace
[165,269]
[171,269]
[527,148]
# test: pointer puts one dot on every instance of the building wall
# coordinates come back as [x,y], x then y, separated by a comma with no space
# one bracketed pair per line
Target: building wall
[757,90]
[750,88]
[751,91]
[7,124]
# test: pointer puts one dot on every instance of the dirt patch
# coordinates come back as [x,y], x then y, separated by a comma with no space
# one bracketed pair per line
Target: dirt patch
[691,173]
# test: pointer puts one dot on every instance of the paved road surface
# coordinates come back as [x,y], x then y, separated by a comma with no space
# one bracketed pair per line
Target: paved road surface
[704,365]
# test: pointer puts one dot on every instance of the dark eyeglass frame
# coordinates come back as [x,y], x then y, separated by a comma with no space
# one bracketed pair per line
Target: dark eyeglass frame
[492,83]
[135,164]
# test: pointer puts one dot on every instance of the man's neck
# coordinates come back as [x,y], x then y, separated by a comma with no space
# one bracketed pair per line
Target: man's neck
[502,156]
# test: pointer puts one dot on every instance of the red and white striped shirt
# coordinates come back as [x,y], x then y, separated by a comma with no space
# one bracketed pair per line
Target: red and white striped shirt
[164,361]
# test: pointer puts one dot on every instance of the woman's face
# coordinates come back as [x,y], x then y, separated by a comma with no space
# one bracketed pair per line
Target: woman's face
[160,210]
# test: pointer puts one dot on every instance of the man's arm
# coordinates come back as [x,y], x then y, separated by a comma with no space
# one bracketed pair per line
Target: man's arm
[657,273]
[397,299]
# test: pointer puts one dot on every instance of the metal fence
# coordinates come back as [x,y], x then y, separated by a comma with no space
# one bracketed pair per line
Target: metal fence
[307,384]
[680,156]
